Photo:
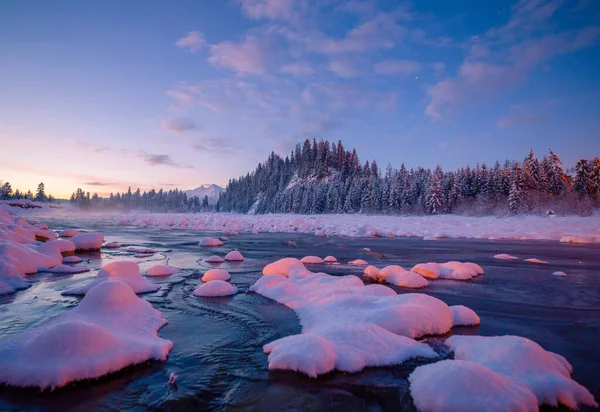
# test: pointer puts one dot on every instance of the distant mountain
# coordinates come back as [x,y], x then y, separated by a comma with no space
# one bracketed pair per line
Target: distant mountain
[211,190]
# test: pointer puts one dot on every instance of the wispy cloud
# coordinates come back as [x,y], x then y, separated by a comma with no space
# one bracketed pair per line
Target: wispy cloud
[193,42]
[98,183]
[397,66]
[298,69]
[252,56]
[519,120]
[162,160]
[180,125]
[273,9]
[215,145]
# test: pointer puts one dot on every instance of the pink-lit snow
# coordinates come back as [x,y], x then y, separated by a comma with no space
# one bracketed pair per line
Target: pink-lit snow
[464,316]
[210,242]
[312,260]
[161,270]
[88,241]
[110,329]
[215,288]
[234,256]
[214,259]
[504,256]
[216,274]
[124,271]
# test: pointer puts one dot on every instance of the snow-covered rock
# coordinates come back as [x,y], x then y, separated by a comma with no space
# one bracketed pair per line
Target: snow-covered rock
[504,256]
[112,245]
[320,233]
[26,260]
[215,288]
[372,273]
[214,259]
[110,329]
[124,271]
[536,261]
[70,233]
[396,275]
[344,320]
[359,262]
[161,270]
[216,274]
[559,273]
[449,270]
[67,269]
[526,363]
[464,316]
[427,270]
[330,259]
[210,242]
[88,241]
[140,250]
[58,246]
[454,385]
[311,260]
[234,256]
[72,259]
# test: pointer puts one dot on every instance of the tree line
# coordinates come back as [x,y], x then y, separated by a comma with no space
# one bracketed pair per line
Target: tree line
[6,193]
[319,177]
[154,201]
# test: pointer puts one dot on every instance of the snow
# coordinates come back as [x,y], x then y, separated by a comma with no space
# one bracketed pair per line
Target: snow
[110,329]
[536,261]
[455,385]
[216,274]
[58,246]
[559,273]
[112,245]
[26,260]
[215,288]
[88,241]
[124,271]
[451,226]
[450,270]
[209,241]
[72,259]
[67,269]
[372,273]
[527,364]
[234,256]
[330,259]
[343,320]
[464,316]
[69,233]
[214,259]
[504,256]
[402,278]
[161,270]
[359,262]
[320,233]
[312,260]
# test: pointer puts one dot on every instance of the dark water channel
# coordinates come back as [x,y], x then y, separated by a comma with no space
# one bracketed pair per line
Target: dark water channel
[218,356]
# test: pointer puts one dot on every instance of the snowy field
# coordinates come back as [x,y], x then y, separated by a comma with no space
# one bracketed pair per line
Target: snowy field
[569,229]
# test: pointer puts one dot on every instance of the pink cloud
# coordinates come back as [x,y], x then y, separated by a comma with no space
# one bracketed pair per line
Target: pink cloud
[298,69]
[250,57]
[180,125]
[397,67]
[272,9]
[518,120]
[194,41]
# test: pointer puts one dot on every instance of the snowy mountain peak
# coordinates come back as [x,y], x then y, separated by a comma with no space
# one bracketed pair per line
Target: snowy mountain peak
[208,189]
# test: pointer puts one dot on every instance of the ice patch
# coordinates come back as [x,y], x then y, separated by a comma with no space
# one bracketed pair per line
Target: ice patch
[67,269]
[72,259]
[112,245]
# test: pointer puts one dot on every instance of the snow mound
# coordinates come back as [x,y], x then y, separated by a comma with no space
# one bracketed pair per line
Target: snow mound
[214,259]
[26,260]
[67,269]
[70,233]
[112,245]
[58,246]
[285,267]
[234,256]
[109,330]
[450,270]
[88,241]
[216,274]
[522,360]
[215,288]
[320,233]
[311,260]
[396,275]
[72,259]
[359,262]
[372,273]
[559,273]
[454,385]
[330,259]
[348,318]
[124,271]
[161,270]
[464,316]
[504,256]
[210,242]
[536,261]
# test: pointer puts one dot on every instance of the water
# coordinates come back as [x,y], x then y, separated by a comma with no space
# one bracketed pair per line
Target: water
[218,356]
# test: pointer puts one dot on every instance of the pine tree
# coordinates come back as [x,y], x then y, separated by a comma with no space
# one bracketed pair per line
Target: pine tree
[556,180]
[40,195]
[583,177]
[516,196]
[6,191]
[531,172]
[595,177]
[435,196]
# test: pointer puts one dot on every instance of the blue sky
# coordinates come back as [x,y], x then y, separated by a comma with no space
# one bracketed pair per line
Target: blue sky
[108,94]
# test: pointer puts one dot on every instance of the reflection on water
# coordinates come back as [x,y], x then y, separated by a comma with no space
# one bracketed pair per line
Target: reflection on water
[218,356]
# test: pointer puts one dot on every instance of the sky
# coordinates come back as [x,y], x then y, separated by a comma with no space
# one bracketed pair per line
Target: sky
[109,94]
